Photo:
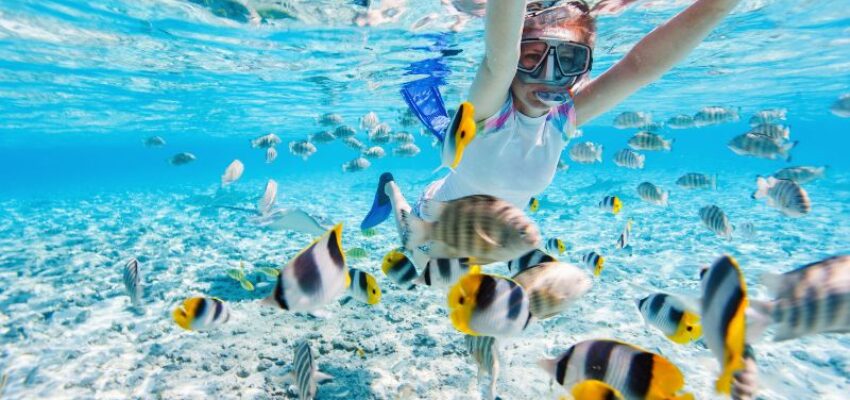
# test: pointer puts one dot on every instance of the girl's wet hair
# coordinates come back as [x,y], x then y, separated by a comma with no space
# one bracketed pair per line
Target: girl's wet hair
[552,15]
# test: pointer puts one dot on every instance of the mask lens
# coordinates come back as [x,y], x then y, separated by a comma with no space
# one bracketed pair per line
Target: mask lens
[573,59]
[531,53]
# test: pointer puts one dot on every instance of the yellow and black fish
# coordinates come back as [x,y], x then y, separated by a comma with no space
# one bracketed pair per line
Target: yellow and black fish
[459,135]
[364,287]
[444,272]
[595,390]
[632,372]
[398,268]
[671,317]
[594,260]
[489,305]
[315,277]
[201,314]
[611,204]
[724,301]
[556,246]
[533,205]
[528,260]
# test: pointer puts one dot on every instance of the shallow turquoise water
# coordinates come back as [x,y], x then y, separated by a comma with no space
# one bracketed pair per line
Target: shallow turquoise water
[82,86]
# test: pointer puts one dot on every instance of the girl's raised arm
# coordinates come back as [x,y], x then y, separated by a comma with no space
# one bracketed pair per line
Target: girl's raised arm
[503,30]
[654,55]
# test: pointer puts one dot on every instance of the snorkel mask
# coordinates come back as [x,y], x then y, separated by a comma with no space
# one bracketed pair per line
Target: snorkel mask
[551,60]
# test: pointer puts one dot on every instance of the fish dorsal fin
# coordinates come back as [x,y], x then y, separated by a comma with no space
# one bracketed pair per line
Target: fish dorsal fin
[773,282]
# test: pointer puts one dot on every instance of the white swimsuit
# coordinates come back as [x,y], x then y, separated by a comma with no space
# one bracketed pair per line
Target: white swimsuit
[513,157]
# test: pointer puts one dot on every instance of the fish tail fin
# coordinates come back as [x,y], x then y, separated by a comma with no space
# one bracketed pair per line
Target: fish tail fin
[786,149]
[759,317]
[665,197]
[599,154]
[714,182]
[772,281]
[414,231]
[761,182]
[381,205]
[668,145]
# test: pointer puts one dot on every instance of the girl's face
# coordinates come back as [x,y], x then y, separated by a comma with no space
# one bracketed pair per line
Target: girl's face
[525,94]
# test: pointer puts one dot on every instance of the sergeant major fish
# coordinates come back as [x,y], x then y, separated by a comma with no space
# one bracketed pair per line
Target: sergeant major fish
[305,374]
[155,141]
[694,180]
[322,137]
[406,150]
[444,272]
[133,281]
[630,370]
[265,141]
[787,196]
[232,173]
[586,153]
[652,194]
[484,352]
[760,146]
[354,143]
[182,158]
[271,155]
[357,164]
[649,141]
[631,119]
[314,277]
[629,159]
[809,300]
[681,121]
[344,131]
[374,152]
[778,133]
[552,287]
[716,221]
[800,175]
[715,115]
[768,116]
[330,119]
[488,305]
[302,148]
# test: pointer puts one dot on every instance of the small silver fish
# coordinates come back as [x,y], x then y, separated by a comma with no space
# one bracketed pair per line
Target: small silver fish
[322,137]
[403,137]
[768,116]
[586,153]
[631,119]
[305,374]
[266,203]
[330,119]
[681,121]
[649,141]
[357,164]
[695,180]
[353,143]
[406,150]
[652,194]
[787,196]
[484,351]
[155,141]
[182,158]
[801,175]
[133,281]
[271,155]
[265,141]
[344,131]
[760,146]
[625,237]
[716,220]
[841,107]
[369,121]
[715,115]
[380,134]
[629,159]
[302,148]
[374,152]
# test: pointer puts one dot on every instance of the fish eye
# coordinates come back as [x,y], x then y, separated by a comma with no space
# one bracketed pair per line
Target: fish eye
[373,292]
[460,300]
[690,328]
[462,134]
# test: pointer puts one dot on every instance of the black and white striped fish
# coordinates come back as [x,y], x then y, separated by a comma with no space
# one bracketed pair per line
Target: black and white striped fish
[681,121]
[631,119]
[556,246]
[716,221]
[652,194]
[768,116]
[787,196]
[778,133]
[315,277]
[812,299]
[305,375]
[133,281]
[761,146]
[444,272]
[745,383]
[724,301]
[611,204]
[630,370]
[594,260]
[801,175]
[552,287]
[695,180]
[201,314]
[489,305]
[364,287]
[714,115]
[398,267]
[586,152]
[528,260]
[670,315]
[485,353]
[627,158]
[649,141]
[625,237]
[271,155]
[344,132]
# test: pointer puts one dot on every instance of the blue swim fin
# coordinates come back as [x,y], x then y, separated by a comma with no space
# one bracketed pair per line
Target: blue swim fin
[381,206]
[427,104]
